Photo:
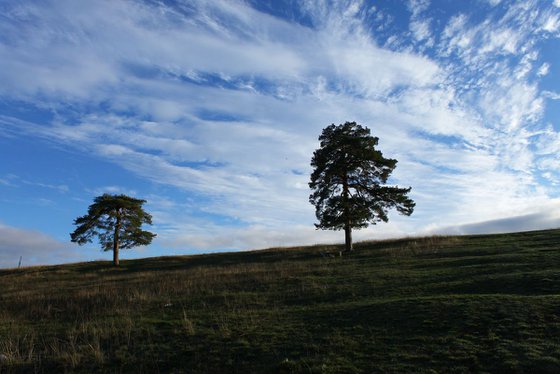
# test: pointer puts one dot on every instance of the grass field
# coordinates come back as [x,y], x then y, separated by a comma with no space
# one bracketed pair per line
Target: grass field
[440,304]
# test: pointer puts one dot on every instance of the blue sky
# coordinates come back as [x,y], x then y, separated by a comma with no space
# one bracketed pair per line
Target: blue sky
[211,110]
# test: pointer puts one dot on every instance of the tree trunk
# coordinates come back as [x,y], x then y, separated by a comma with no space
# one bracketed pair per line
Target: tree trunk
[348,238]
[347,226]
[116,253]
[116,240]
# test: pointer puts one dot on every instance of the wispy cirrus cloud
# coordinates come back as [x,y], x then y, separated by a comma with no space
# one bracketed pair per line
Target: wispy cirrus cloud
[420,24]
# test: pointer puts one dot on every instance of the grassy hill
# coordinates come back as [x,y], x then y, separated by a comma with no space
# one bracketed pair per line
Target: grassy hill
[442,304]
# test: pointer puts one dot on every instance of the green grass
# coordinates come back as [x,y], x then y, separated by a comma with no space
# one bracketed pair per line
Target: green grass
[440,304]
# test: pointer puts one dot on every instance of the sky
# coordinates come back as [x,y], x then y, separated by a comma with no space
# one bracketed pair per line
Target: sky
[211,110]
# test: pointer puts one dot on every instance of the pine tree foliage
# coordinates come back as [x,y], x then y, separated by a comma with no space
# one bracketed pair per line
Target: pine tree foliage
[116,220]
[349,181]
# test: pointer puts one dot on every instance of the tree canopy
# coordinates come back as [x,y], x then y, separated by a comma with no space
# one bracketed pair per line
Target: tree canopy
[116,220]
[349,181]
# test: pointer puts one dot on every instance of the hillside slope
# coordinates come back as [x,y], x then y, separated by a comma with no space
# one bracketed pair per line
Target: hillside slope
[445,304]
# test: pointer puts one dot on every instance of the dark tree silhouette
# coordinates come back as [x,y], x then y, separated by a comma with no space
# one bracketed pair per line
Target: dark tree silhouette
[348,181]
[116,220]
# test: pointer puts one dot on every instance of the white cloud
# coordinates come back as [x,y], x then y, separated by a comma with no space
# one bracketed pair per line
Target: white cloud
[9,180]
[114,190]
[545,219]
[420,26]
[35,248]
[66,48]
[512,104]
[13,180]
[552,23]
[543,70]
[210,237]
[504,40]
[551,95]
[418,6]
[420,29]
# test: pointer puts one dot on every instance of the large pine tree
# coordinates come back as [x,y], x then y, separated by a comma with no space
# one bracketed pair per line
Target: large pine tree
[116,220]
[348,181]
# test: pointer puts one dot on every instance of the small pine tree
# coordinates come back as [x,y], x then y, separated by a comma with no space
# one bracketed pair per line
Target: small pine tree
[348,181]
[116,220]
